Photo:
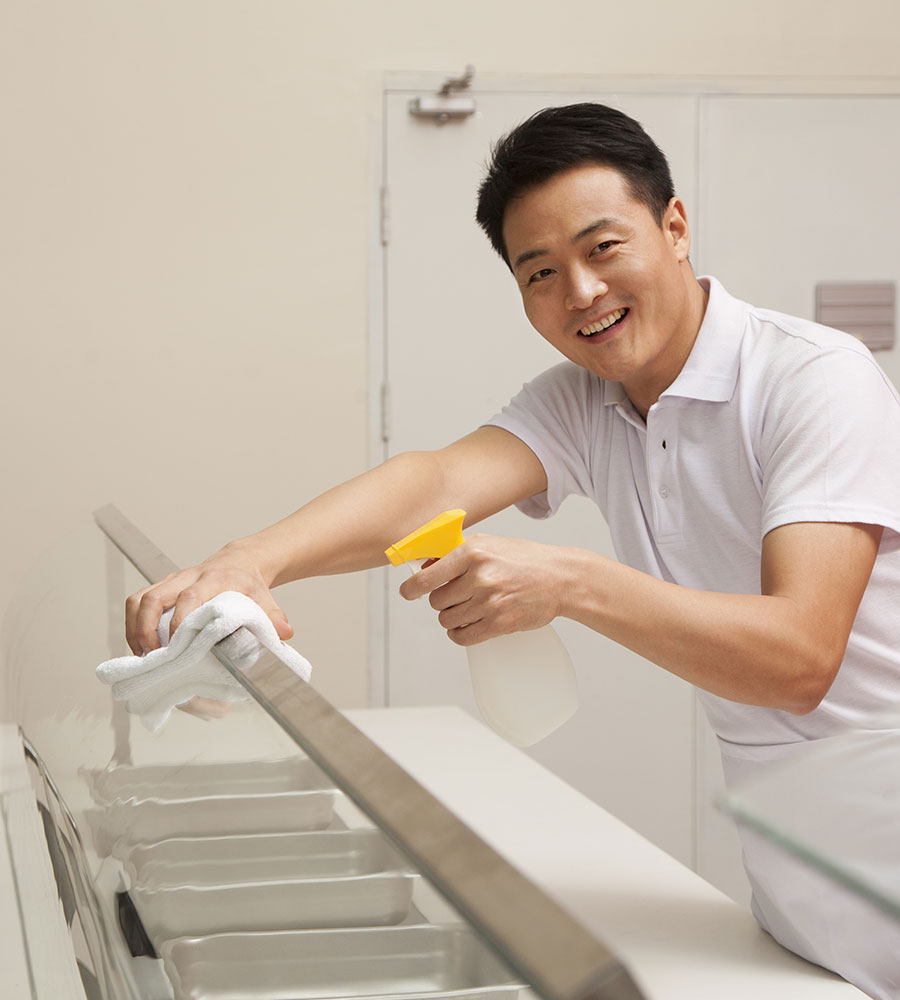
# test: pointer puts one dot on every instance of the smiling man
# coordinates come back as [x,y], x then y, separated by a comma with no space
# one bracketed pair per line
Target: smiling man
[747,463]
[615,295]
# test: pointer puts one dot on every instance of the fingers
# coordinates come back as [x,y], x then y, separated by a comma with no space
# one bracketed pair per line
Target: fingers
[186,591]
[436,573]
[263,597]
[453,591]
[490,586]
[206,708]
[282,626]
[471,635]
[144,609]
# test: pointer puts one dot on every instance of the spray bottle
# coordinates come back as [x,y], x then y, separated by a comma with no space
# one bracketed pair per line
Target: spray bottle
[524,682]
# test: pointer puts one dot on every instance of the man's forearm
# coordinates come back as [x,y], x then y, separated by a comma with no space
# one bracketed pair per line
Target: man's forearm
[349,527]
[747,648]
[780,649]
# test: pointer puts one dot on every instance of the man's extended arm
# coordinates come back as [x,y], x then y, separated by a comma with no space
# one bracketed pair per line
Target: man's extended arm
[348,528]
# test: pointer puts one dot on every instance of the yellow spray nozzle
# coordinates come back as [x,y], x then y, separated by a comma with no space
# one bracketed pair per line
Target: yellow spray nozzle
[431,541]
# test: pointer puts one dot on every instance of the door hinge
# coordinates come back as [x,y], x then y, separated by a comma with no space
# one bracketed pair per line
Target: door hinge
[385,216]
[385,412]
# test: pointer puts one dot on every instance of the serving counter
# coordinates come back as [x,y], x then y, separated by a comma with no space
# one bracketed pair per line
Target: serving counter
[287,851]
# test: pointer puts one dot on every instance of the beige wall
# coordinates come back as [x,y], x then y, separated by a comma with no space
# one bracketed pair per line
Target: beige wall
[185,222]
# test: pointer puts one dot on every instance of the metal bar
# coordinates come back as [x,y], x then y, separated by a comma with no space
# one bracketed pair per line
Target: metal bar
[133,544]
[540,941]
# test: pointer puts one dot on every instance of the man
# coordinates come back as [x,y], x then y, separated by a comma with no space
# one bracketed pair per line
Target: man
[748,465]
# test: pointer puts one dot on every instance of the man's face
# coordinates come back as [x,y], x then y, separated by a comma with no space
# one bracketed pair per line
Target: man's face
[602,281]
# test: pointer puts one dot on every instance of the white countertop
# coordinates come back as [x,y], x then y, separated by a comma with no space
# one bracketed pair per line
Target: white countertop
[681,938]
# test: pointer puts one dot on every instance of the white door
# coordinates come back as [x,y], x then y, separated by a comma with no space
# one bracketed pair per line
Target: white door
[457,347]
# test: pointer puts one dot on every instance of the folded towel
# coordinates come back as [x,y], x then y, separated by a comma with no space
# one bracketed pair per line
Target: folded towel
[152,685]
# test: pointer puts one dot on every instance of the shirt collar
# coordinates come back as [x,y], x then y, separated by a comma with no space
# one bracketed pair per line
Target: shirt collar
[711,370]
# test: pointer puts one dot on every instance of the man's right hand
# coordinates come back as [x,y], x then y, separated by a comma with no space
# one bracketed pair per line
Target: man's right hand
[188,589]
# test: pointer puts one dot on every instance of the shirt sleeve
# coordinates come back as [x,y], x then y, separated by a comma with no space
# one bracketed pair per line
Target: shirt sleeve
[554,415]
[829,445]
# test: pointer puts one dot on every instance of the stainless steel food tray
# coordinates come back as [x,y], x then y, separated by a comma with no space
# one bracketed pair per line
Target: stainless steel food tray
[232,777]
[402,962]
[260,857]
[356,900]
[137,820]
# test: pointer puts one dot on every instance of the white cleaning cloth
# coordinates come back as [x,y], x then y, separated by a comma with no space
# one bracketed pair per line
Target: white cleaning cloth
[152,685]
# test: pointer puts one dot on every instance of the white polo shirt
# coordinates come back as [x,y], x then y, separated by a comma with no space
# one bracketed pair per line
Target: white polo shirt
[772,420]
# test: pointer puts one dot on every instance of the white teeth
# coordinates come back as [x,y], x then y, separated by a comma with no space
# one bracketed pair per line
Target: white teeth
[604,323]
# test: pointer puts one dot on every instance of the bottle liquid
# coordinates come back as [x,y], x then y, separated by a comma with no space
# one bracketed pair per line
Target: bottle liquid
[524,683]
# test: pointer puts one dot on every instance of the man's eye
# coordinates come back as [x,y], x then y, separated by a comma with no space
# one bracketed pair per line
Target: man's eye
[604,246]
[544,272]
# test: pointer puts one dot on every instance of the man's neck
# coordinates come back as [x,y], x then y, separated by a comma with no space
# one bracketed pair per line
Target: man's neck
[646,393]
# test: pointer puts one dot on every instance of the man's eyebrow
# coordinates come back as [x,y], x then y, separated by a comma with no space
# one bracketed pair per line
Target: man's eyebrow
[528,255]
[604,223]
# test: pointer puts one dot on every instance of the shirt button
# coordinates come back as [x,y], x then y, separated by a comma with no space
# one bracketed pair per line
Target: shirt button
[664,491]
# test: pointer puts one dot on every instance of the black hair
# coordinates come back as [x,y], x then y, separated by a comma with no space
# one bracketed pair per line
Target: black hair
[557,139]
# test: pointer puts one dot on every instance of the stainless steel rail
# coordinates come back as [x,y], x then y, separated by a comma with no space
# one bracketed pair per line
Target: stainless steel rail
[539,941]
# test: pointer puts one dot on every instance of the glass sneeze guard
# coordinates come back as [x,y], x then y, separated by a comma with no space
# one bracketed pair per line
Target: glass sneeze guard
[273,853]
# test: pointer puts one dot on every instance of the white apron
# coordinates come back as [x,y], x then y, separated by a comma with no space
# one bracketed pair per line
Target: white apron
[805,910]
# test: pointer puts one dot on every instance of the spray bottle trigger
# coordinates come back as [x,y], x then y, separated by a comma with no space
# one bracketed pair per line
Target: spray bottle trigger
[432,541]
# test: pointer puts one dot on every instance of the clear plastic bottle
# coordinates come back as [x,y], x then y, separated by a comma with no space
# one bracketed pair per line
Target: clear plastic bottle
[524,683]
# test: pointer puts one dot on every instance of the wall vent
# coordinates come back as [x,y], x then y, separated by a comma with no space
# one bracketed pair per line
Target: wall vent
[867,309]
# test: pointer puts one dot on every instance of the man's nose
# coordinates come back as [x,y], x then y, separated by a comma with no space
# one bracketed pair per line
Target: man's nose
[584,288]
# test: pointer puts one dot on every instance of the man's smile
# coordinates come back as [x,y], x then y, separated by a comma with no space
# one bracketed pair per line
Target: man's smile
[601,325]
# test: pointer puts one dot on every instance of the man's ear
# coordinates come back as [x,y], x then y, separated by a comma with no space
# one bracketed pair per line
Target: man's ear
[675,226]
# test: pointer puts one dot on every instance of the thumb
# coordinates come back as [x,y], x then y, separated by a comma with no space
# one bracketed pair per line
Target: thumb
[282,626]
